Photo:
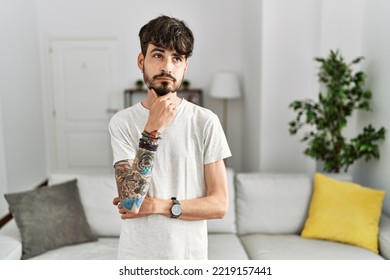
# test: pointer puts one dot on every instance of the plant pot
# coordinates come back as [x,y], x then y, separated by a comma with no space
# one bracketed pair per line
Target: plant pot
[342,176]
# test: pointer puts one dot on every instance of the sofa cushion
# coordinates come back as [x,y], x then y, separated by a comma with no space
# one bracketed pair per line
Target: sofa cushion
[10,248]
[228,223]
[10,242]
[96,192]
[272,203]
[105,248]
[49,218]
[294,247]
[225,246]
[345,212]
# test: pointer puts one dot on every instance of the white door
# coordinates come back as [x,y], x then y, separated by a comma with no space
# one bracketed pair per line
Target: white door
[83,76]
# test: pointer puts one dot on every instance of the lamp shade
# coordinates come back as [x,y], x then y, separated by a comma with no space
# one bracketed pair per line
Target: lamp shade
[225,85]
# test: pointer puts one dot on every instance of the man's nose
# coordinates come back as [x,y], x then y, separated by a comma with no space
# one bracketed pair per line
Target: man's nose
[167,67]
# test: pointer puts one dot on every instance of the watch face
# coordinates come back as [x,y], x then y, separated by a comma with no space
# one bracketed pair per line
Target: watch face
[176,209]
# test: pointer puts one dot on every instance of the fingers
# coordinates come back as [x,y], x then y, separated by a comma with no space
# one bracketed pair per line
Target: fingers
[166,96]
[161,113]
[116,201]
[122,211]
[163,102]
[169,102]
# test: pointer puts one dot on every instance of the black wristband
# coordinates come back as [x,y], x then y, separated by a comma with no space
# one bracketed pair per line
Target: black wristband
[148,145]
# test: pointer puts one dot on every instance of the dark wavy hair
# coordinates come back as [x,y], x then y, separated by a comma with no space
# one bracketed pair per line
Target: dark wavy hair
[168,33]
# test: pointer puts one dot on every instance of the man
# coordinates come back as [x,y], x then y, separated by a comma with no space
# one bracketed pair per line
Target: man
[168,156]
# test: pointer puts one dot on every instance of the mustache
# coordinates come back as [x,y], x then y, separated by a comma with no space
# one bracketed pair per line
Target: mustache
[164,75]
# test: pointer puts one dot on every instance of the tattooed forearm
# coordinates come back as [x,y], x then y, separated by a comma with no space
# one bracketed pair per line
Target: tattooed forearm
[133,179]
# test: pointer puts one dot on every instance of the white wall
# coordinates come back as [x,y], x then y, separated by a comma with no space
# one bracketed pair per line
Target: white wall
[376,46]
[21,96]
[339,33]
[290,41]
[3,170]
[214,48]
[293,34]
[252,47]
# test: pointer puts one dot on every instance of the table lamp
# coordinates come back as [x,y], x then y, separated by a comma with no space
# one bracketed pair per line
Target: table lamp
[225,85]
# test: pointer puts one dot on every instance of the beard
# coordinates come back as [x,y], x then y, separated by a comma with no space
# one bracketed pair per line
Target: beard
[164,87]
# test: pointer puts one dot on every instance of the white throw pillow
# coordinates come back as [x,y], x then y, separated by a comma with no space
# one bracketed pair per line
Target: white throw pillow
[228,223]
[272,203]
[96,192]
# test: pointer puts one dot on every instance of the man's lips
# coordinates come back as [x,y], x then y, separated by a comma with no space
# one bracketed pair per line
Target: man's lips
[164,77]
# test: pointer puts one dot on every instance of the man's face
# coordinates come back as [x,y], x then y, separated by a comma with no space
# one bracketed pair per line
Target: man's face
[163,69]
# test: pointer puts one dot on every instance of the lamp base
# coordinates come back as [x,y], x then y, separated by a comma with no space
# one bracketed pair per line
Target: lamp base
[225,111]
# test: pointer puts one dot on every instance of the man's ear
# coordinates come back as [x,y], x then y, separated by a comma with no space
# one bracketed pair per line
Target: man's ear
[140,61]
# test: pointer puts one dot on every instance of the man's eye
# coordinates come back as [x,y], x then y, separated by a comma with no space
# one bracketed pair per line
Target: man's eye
[177,59]
[158,55]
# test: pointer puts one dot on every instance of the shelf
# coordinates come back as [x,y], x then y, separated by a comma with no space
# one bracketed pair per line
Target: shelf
[133,96]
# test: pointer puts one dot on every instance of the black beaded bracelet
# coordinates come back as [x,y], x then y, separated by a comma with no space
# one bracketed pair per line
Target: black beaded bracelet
[148,145]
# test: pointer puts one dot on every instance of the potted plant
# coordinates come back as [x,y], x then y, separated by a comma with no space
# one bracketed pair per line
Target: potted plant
[139,84]
[327,117]
[186,84]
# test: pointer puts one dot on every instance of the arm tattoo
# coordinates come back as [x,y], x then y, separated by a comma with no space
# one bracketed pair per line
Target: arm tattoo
[133,179]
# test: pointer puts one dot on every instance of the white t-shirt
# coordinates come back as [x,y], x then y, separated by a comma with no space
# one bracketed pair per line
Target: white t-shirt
[193,138]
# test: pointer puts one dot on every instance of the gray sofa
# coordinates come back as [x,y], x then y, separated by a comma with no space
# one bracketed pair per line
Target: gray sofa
[266,215]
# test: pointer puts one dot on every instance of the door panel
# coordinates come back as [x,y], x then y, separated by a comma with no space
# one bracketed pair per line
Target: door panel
[83,77]
[85,150]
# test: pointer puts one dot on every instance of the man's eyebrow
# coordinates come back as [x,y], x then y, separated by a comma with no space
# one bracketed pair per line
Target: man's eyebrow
[157,49]
[176,54]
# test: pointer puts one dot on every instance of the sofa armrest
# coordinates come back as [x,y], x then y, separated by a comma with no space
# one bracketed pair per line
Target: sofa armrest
[4,220]
[384,237]
[10,242]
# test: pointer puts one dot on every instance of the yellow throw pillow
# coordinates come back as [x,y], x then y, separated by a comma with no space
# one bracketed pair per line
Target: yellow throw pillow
[344,212]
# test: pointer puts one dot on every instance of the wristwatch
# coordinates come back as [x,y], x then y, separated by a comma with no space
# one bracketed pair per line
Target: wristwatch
[176,208]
